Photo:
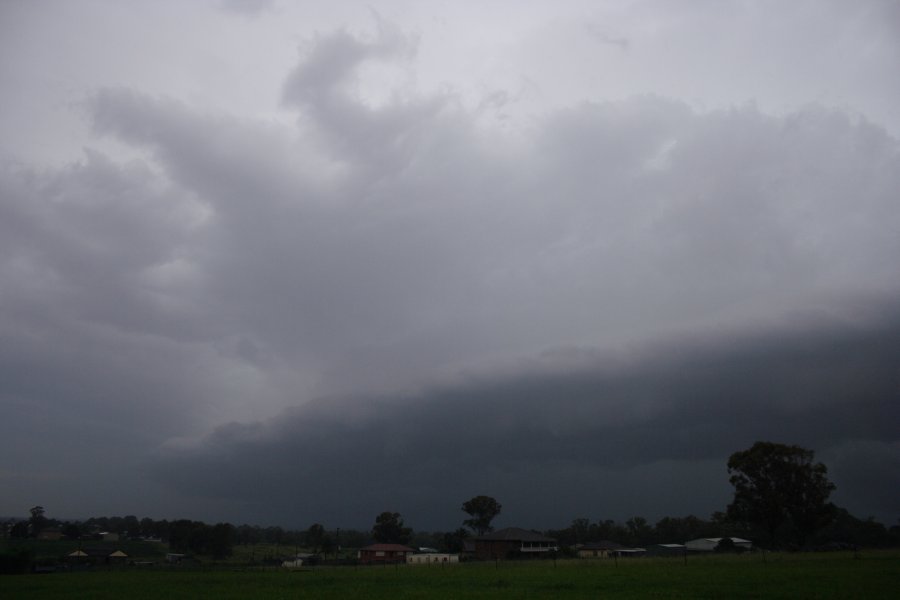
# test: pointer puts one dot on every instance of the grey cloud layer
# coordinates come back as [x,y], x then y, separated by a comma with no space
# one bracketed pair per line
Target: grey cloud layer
[238,266]
[564,437]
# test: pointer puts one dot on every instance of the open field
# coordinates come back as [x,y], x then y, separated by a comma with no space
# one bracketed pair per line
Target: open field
[836,575]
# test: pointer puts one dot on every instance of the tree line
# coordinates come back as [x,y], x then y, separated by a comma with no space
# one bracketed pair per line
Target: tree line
[781,500]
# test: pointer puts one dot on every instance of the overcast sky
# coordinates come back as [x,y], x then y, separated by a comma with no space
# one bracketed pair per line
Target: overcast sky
[292,262]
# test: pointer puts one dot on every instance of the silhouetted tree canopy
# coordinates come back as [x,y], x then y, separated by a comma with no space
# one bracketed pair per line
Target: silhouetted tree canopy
[780,489]
[389,529]
[482,509]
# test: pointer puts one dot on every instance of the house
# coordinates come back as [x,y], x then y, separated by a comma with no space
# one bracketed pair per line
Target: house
[384,553]
[601,549]
[100,555]
[709,544]
[78,556]
[513,541]
[432,558]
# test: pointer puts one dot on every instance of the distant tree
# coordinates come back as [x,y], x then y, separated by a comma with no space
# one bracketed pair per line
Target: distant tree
[37,521]
[639,532]
[455,541]
[353,538]
[248,534]
[581,530]
[220,540]
[19,530]
[71,531]
[608,530]
[845,529]
[482,509]
[680,529]
[274,535]
[389,529]
[187,536]
[780,489]
[316,538]
[199,537]
[130,526]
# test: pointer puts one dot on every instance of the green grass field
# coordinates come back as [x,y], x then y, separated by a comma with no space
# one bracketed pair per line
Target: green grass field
[838,575]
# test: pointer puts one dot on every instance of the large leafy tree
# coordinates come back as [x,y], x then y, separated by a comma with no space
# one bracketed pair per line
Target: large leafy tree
[389,529]
[781,490]
[482,509]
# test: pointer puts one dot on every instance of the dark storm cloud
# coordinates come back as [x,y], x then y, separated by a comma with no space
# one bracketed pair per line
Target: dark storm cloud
[375,240]
[683,405]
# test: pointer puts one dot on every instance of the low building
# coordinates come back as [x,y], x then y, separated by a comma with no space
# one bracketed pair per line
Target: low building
[384,553]
[100,555]
[78,556]
[709,544]
[601,549]
[511,542]
[432,558]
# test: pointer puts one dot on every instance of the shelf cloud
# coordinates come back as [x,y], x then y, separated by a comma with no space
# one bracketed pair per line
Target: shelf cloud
[332,262]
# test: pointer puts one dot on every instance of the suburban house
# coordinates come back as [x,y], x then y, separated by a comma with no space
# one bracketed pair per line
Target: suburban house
[98,556]
[512,541]
[709,544]
[601,549]
[384,553]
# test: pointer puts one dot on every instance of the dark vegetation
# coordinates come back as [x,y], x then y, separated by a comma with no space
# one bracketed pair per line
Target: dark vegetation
[780,502]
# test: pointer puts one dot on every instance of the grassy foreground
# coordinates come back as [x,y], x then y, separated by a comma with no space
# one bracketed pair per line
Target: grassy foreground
[838,575]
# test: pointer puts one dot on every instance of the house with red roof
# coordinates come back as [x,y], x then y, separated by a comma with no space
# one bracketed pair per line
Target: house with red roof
[513,541]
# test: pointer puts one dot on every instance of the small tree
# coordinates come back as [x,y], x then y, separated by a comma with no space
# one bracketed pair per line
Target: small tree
[389,529]
[37,521]
[316,538]
[482,509]
[780,488]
